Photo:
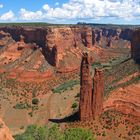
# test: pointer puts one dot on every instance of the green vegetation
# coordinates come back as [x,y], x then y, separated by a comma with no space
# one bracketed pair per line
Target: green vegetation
[112,62]
[35,101]
[35,132]
[74,105]
[65,86]
[78,134]
[118,72]
[96,65]
[22,106]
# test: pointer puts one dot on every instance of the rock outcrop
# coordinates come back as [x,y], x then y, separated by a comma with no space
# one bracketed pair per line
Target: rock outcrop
[61,40]
[98,92]
[85,90]
[91,92]
[4,132]
[135,46]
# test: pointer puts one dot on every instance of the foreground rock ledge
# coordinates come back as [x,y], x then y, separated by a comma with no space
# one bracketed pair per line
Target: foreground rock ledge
[4,132]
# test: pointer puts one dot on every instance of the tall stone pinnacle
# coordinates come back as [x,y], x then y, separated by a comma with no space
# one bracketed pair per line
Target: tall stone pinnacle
[91,91]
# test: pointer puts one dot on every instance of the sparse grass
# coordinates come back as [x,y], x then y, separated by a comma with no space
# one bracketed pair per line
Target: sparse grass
[22,106]
[96,65]
[118,72]
[66,86]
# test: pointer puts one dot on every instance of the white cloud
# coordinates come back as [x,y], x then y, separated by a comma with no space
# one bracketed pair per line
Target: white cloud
[9,16]
[86,9]
[1,5]
[30,15]
[46,7]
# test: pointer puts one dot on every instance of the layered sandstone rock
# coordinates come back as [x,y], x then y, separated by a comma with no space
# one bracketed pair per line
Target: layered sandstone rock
[135,46]
[126,100]
[4,132]
[54,41]
[60,44]
[85,90]
[113,38]
[4,34]
[91,92]
[98,92]
[31,34]
[61,40]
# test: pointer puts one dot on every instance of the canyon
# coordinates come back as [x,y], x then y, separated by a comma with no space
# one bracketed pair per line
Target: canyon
[70,69]
[56,47]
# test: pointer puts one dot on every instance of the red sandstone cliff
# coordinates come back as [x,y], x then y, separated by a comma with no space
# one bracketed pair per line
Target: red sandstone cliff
[62,46]
[98,93]
[55,41]
[61,40]
[85,90]
[91,92]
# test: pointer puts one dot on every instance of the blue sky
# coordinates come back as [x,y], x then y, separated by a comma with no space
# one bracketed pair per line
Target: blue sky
[71,11]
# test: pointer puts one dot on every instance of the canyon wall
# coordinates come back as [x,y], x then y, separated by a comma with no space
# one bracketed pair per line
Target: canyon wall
[66,39]
[31,34]
[61,43]
[135,46]
[53,40]
[91,91]
[113,38]
[70,35]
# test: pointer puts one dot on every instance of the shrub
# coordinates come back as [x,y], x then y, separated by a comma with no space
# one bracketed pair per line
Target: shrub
[31,114]
[35,132]
[54,133]
[78,134]
[35,101]
[74,105]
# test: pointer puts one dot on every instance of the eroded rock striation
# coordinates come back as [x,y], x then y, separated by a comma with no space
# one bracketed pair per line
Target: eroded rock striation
[98,92]
[113,38]
[86,89]
[91,91]
[56,41]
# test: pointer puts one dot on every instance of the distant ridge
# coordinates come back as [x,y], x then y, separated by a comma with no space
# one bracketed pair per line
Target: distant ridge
[109,25]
